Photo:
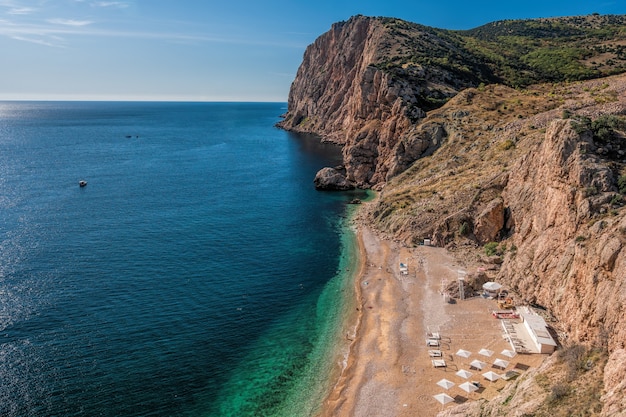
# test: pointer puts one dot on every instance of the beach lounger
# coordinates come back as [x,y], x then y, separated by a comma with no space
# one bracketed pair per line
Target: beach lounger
[435,353]
[439,363]
[432,342]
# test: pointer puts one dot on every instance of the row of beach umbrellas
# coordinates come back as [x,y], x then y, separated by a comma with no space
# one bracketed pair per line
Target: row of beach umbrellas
[485,352]
[478,364]
[467,386]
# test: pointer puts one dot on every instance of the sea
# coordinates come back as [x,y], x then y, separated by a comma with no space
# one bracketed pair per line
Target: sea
[198,273]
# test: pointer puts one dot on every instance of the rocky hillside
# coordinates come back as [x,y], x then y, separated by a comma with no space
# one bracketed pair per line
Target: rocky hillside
[368,82]
[507,145]
[531,183]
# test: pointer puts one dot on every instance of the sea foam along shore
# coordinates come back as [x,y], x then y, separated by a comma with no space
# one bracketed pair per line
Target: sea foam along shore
[335,316]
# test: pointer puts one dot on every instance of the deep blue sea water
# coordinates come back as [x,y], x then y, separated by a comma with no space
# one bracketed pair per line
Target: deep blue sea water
[197,274]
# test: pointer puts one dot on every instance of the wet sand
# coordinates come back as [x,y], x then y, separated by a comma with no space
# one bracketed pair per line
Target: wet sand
[388,371]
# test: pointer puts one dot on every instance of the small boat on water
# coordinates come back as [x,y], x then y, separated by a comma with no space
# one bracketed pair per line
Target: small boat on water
[82,183]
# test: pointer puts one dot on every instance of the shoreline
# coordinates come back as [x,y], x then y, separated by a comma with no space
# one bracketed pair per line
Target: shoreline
[351,326]
[387,370]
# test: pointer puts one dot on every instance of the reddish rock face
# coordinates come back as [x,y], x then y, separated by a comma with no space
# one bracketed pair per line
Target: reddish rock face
[505,163]
[342,94]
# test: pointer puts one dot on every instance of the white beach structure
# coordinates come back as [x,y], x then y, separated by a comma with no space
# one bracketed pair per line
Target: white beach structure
[530,335]
[538,331]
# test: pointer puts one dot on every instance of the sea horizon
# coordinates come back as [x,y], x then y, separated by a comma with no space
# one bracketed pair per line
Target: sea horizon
[138,100]
[197,273]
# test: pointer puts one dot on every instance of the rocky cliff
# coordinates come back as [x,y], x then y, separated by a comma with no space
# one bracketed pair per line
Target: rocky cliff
[368,82]
[538,175]
[477,151]
[345,92]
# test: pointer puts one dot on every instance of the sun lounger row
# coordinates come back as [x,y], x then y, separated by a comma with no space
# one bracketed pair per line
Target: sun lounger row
[432,342]
[439,363]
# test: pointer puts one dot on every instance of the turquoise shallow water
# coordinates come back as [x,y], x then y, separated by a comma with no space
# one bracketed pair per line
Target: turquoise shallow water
[198,272]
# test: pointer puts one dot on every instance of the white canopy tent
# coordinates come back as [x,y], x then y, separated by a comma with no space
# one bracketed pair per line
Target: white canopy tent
[500,363]
[464,374]
[492,376]
[468,387]
[443,398]
[463,353]
[508,353]
[492,286]
[485,352]
[445,384]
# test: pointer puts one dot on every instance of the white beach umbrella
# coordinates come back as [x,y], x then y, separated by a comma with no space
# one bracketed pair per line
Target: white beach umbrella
[477,364]
[468,387]
[501,363]
[491,286]
[492,376]
[463,353]
[508,353]
[443,399]
[464,374]
[445,384]
[485,352]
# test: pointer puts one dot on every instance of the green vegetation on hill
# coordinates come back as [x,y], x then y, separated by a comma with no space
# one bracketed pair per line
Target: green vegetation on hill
[516,53]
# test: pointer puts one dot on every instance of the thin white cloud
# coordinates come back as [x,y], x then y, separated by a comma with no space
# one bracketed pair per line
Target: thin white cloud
[21,10]
[115,4]
[65,28]
[70,22]
[37,41]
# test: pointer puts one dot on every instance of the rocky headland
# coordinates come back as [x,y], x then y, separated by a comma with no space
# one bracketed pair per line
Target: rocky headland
[506,145]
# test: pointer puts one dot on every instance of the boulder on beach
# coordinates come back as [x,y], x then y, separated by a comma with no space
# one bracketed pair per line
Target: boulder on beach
[332,179]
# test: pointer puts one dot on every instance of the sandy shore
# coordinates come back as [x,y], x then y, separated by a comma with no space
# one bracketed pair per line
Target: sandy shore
[389,371]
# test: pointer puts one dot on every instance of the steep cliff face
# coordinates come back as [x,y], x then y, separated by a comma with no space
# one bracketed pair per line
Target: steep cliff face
[343,93]
[537,173]
[570,241]
[533,171]
[368,82]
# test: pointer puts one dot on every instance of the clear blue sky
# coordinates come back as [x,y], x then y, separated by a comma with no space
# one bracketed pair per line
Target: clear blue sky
[208,50]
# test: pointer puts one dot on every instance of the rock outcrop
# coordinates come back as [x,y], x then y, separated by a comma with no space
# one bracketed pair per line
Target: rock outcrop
[344,93]
[332,179]
[368,82]
[490,222]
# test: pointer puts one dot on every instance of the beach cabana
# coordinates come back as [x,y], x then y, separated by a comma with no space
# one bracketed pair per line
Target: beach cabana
[492,288]
[491,376]
[445,384]
[501,363]
[485,352]
[463,353]
[468,387]
[508,353]
[439,363]
[477,364]
[464,374]
[444,399]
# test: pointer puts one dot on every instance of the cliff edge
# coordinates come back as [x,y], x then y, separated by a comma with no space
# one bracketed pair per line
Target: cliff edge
[505,144]
[367,83]
[350,91]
